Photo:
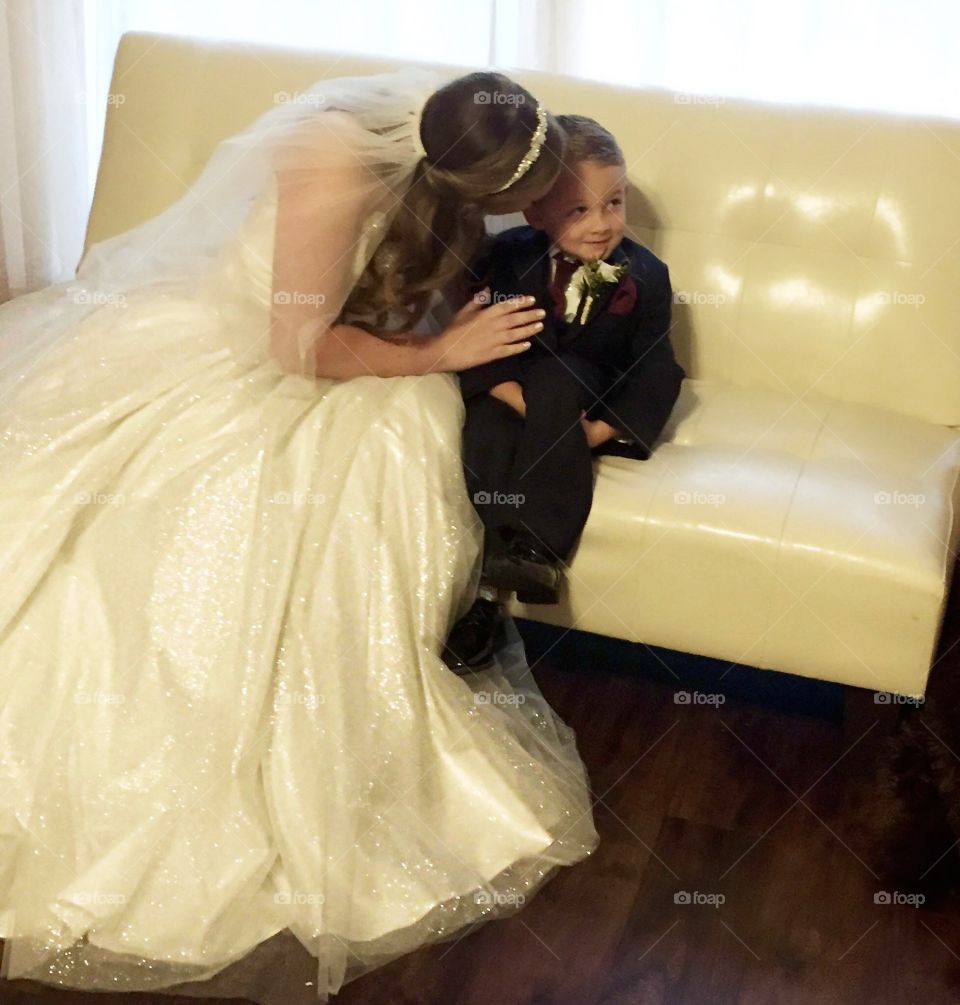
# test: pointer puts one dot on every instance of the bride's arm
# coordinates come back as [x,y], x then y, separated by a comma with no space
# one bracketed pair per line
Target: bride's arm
[352,352]
[324,196]
[311,277]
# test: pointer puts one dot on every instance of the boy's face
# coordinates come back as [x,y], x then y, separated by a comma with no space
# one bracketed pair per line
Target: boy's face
[585,212]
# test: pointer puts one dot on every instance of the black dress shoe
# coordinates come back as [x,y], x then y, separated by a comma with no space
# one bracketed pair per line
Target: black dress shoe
[474,638]
[527,568]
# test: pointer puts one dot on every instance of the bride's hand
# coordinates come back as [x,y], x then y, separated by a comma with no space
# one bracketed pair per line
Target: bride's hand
[478,333]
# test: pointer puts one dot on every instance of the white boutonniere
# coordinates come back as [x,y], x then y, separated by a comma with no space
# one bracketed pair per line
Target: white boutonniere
[590,279]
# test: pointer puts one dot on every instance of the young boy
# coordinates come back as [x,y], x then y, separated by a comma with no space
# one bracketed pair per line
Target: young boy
[600,377]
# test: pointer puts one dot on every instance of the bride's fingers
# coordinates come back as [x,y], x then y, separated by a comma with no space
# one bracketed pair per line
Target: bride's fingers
[520,337]
[514,347]
[523,331]
[515,304]
[525,318]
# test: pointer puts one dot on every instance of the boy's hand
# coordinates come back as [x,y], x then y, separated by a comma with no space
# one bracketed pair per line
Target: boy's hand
[597,430]
[511,391]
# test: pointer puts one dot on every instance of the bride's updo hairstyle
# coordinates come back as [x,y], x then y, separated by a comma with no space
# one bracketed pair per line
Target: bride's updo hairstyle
[477,130]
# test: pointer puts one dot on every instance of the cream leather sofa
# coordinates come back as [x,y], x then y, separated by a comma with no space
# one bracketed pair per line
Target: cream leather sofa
[800,510]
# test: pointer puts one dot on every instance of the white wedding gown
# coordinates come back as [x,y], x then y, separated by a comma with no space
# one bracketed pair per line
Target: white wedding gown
[225,723]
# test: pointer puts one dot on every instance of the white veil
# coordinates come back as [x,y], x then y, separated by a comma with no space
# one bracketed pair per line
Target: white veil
[338,181]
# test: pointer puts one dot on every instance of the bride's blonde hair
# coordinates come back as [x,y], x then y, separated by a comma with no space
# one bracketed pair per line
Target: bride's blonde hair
[475,130]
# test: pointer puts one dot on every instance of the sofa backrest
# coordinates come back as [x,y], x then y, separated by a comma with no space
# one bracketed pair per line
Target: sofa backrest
[811,250]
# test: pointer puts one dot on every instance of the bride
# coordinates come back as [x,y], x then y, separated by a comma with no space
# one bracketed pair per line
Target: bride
[235,534]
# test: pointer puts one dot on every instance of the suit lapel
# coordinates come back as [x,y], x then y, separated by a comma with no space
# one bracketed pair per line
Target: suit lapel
[531,266]
[530,262]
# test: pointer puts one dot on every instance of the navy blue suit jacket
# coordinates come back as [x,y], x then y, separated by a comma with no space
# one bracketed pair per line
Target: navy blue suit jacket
[640,376]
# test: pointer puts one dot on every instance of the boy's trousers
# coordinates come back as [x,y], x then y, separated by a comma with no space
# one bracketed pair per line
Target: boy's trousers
[535,473]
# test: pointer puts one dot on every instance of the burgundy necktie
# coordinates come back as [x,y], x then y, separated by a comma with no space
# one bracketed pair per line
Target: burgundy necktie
[561,280]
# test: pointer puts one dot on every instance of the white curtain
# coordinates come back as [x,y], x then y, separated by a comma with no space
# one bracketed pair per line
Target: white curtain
[877,54]
[56,58]
[44,108]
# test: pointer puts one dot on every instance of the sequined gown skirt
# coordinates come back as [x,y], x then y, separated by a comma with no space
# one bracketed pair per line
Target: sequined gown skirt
[224,718]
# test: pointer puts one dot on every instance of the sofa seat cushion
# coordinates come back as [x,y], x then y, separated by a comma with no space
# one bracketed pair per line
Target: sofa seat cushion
[806,535]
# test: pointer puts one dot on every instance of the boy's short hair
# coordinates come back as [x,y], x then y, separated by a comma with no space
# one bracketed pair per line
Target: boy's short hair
[587,140]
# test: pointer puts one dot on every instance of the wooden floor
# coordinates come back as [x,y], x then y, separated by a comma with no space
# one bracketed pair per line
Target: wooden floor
[750,801]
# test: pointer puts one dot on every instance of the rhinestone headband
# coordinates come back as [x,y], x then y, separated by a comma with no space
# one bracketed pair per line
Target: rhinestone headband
[533,153]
